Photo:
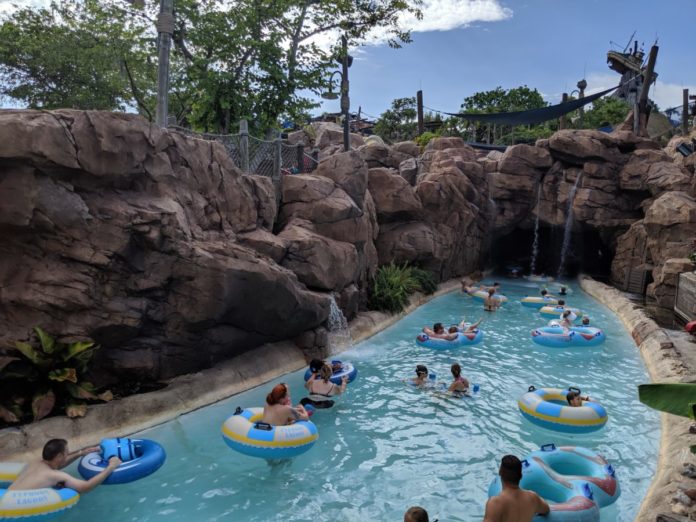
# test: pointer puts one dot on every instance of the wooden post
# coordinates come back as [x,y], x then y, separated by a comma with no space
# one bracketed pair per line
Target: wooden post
[562,122]
[300,158]
[647,80]
[685,113]
[165,29]
[244,145]
[419,102]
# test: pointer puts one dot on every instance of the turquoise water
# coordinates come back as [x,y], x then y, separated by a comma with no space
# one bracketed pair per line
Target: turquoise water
[387,446]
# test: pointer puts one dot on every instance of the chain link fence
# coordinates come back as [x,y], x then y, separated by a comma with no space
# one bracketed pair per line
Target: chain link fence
[271,158]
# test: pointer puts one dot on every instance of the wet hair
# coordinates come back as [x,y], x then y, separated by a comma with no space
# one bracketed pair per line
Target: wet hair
[456,370]
[491,291]
[421,369]
[510,470]
[53,448]
[278,393]
[563,289]
[544,291]
[326,372]
[585,320]
[572,395]
[437,326]
[416,514]
[453,329]
[315,365]
[566,313]
[561,302]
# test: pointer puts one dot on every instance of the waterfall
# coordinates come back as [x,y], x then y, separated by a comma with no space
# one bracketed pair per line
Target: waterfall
[337,325]
[535,244]
[568,230]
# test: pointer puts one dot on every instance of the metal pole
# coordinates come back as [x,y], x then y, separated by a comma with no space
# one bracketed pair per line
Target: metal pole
[165,29]
[345,101]
[685,113]
[244,145]
[419,101]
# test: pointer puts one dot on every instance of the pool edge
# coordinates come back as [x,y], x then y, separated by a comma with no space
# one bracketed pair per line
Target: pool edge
[664,364]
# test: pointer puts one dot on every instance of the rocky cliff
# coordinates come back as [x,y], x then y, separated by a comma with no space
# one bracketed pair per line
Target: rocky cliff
[157,247]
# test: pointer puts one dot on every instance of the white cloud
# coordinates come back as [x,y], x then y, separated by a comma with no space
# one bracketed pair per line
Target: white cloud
[665,94]
[8,6]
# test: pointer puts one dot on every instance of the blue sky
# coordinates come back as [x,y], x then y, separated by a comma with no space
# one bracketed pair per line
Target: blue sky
[547,44]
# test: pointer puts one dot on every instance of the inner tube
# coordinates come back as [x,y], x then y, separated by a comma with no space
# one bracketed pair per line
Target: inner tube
[549,408]
[462,339]
[36,504]
[480,295]
[554,337]
[556,311]
[346,368]
[141,457]
[576,481]
[244,432]
[9,471]
[538,301]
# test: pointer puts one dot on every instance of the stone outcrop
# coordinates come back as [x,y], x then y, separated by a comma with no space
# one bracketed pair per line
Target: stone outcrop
[394,198]
[121,232]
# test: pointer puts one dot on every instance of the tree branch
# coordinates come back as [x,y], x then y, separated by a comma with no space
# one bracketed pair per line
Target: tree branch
[134,91]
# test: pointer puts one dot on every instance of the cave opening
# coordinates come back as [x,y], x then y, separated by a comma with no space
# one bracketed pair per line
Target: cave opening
[588,252]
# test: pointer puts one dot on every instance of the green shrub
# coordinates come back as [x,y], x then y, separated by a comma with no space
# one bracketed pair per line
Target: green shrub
[391,286]
[424,139]
[38,380]
[425,279]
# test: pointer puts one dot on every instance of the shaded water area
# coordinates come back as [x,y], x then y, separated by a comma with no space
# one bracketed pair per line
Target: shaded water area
[387,446]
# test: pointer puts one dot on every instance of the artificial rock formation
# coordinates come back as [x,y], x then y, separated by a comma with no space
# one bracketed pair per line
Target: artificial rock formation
[120,232]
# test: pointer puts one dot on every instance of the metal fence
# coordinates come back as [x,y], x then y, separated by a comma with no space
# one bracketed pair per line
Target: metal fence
[271,158]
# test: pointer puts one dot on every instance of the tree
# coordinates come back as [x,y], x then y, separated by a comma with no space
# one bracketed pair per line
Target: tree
[399,122]
[231,60]
[605,112]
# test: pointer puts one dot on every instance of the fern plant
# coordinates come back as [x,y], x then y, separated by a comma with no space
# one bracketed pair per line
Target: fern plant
[391,286]
[47,377]
[425,279]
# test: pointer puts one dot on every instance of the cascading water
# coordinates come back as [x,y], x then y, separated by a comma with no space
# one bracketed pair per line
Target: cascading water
[339,333]
[535,244]
[568,230]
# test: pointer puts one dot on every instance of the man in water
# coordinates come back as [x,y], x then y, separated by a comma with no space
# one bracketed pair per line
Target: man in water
[513,504]
[585,320]
[438,332]
[46,474]
[416,514]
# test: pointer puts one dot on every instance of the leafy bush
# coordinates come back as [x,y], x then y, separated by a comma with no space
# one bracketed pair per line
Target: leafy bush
[393,283]
[425,279]
[423,140]
[391,287]
[49,377]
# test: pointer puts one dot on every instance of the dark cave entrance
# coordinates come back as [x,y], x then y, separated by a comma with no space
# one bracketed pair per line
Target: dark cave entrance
[587,252]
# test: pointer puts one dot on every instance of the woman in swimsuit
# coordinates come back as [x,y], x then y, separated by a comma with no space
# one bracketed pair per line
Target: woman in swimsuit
[460,384]
[322,389]
[490,303]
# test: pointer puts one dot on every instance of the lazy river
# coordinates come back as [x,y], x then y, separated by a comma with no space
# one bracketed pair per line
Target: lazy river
[387,446]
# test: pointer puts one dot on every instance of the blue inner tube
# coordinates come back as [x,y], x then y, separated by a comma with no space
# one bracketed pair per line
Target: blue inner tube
[554,337]
[149,457]
[337,377]
[462,339]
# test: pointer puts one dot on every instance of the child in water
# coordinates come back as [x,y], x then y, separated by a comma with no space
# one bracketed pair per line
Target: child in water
[460,384]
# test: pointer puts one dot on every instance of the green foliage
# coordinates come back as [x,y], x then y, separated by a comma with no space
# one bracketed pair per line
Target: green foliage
[425,279]
[392,284]
[230,60]
[424,139]
[399,122]
[604,112]
[505,100]
[46,376]
[675,398]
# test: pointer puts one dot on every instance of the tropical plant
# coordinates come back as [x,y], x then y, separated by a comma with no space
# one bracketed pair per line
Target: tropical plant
[44,378]
[398,123]
[675,398]
[425,279]
[392,284]
[425,138]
